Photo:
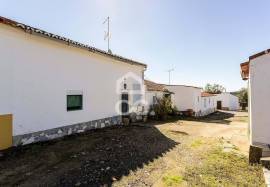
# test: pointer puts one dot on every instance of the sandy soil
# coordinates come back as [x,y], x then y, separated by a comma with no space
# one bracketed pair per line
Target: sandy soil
[232,126]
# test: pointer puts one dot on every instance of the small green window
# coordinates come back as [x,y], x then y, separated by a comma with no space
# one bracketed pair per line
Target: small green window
[74,102]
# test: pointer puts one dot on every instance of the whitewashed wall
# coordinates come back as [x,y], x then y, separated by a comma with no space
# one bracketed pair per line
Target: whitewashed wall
[5,82]
[234,103]
[228,101]
[149,98]
[186,97]
[36,74]
[259,102]
[208,105]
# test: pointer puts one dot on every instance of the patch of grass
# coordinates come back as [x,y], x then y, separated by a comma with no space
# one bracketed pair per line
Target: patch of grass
[220,168]
[172,180]
[196,143]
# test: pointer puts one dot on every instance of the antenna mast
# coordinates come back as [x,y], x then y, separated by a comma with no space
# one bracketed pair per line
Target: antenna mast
[108,34]
[169,71]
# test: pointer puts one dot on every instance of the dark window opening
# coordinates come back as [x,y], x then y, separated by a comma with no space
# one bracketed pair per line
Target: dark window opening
[125,105]
[74,102]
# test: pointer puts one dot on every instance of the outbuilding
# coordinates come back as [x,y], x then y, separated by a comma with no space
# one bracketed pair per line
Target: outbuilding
[155,91]
[52,86]
[256,72]
[192,100]
[186,98]
[227,101]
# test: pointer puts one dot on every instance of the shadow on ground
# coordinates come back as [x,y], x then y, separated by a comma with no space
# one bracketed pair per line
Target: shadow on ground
[92,159]
[219,117]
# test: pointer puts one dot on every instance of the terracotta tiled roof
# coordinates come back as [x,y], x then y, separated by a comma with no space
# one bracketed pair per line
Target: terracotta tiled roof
[184,86]
[245,66]
[39,32]
[245,70]
[152,86]
[206,94]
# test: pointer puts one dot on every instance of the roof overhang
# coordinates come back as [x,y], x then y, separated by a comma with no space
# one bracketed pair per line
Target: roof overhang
[245,70]
[45,34]
[175,85]
[259,54]
[245,66]
[206,94]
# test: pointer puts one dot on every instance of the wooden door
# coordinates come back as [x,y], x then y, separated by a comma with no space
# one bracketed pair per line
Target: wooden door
[219,105]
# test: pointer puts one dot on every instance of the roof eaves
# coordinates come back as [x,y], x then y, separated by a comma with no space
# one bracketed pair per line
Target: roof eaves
[152,86]
[33,30]
[183,86]
[259,54]
[206,94]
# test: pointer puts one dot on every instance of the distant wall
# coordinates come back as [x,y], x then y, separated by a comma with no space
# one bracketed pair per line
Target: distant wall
[208,105]
[186,97]
[229,101]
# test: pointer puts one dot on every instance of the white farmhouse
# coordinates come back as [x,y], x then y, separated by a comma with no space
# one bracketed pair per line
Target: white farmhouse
[52,86]
[256,71]
[227,101]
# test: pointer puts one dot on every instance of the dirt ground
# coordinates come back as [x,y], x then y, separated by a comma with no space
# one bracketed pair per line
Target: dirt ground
[181,152]
[232,126]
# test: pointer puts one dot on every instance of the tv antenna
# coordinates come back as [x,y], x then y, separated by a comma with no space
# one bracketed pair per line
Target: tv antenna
[107,35]
[169,71]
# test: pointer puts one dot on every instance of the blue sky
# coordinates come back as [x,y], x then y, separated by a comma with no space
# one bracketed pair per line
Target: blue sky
[203,40]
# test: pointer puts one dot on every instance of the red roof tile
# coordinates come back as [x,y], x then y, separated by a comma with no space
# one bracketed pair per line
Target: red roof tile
[152,86]
[245,70]
[206,94]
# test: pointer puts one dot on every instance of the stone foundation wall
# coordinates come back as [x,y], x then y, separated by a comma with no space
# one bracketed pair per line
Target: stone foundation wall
[265,148]
[65,130]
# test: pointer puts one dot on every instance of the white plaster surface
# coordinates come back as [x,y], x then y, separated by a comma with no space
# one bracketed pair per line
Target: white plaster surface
[36,74]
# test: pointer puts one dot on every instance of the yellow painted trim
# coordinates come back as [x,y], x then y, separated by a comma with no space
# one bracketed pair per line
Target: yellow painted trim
[5,131]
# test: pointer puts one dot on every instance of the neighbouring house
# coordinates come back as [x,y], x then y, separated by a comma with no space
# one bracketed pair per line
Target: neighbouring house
[208,104]
[52,86]
[191,100]
[186,98]
[227,101]
[256,72]
[155,91]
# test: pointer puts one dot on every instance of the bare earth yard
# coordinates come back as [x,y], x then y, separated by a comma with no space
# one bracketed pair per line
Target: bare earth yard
[207,152]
